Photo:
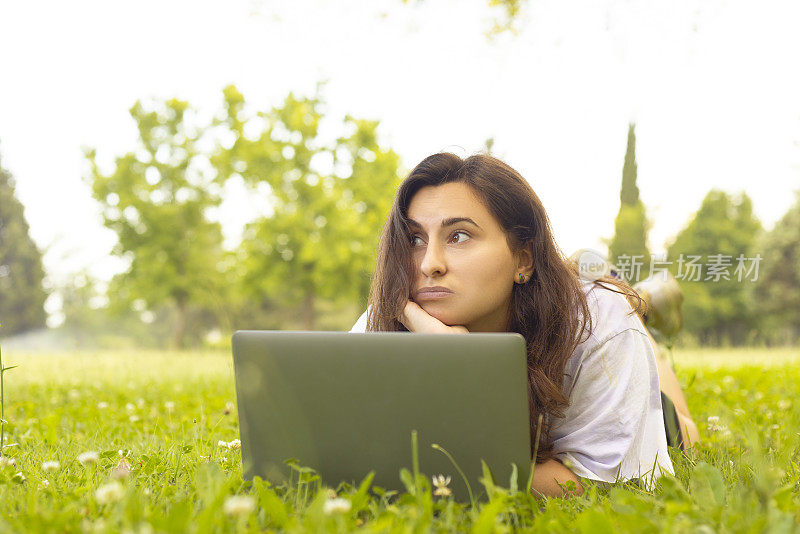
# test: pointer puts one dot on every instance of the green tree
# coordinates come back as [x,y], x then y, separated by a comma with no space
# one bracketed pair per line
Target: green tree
[705,260]
[328,201]
[157,200]
[629,244]
[21,294]
[778,289]
[366,188]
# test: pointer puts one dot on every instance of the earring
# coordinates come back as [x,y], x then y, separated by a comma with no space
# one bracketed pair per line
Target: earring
[521,278]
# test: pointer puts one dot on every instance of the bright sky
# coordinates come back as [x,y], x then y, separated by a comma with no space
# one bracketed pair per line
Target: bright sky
[713,86]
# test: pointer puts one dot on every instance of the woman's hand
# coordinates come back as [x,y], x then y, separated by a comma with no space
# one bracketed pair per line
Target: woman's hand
[415,319]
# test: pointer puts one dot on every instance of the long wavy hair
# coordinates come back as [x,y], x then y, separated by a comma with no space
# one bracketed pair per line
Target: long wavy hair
[550,311]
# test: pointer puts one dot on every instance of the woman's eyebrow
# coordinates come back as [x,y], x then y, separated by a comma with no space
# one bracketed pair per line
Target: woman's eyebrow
[450,221]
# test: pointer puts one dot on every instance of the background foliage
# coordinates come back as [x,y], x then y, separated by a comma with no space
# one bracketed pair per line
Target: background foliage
[716,309]
[21,274]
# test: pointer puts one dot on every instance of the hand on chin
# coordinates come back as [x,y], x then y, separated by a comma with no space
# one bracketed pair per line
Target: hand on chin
[415,319]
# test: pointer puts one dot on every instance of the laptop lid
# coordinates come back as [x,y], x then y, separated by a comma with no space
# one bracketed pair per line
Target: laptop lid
[345,404]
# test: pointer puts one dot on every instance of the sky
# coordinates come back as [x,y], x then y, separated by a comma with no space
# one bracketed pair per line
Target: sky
[712,86]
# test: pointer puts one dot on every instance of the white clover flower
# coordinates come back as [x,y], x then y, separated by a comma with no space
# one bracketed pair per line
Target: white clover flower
[784,404]
[51,465]
[122,469]
[239,505]
[88,457]
[222,444]
[130,407]
[102,405]
[140,403]
[45,483]
[229,406]
[235,444]
[775,427]
[6,461]
[111,492]
[169,406]
[442,492]
[714,426]
[134,418]
[440,482]
[337,505]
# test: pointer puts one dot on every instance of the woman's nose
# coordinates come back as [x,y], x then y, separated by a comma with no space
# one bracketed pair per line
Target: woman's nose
[433,262]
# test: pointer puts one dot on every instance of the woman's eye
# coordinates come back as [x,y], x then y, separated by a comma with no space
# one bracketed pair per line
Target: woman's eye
[461,233]
[455,235]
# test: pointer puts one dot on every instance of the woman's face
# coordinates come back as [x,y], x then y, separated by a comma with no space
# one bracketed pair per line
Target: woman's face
[458,245]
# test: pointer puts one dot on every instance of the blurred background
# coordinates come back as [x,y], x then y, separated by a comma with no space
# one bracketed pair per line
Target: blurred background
[173,171]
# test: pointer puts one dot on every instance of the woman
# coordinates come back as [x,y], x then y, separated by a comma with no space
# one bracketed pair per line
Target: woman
[467,248]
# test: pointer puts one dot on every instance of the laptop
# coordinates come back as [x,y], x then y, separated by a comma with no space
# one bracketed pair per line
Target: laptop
[345,404]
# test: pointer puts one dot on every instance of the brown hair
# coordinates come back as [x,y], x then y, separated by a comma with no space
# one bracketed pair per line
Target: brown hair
[550,311]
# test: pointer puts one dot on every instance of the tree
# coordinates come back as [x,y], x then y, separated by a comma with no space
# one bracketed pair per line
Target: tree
[157,200]
[21,293]
[629,244]
[328,201]
[374,176]
[778,289]
[712,259]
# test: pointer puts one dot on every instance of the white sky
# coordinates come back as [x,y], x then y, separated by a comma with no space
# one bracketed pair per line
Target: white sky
[713,86]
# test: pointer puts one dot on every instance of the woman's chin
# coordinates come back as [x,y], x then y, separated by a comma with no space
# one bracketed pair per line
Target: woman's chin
[439,312]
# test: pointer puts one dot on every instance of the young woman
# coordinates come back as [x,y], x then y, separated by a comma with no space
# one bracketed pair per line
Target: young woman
[467,247]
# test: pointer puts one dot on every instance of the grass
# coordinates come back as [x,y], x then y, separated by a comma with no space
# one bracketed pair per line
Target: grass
[166,412]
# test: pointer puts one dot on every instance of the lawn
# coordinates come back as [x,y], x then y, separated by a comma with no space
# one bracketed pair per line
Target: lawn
[163,426]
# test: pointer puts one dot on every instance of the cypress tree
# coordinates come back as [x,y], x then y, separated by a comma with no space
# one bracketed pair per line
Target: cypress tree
[21,294]
[629,194]
[630,225]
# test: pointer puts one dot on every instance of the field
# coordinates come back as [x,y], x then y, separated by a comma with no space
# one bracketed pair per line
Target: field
[158,420]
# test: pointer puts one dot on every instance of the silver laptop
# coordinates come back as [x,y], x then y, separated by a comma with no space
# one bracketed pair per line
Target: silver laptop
[345,404]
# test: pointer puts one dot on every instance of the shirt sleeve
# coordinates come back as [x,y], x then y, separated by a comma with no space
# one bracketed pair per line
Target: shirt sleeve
[614,396]
[361,323]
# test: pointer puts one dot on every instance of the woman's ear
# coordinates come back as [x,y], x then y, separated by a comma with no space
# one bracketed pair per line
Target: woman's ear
[524,258]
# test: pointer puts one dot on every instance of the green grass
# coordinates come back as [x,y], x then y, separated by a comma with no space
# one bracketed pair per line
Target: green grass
[167,412]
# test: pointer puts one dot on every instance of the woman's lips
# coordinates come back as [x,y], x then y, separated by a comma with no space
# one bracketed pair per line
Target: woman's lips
[433,293]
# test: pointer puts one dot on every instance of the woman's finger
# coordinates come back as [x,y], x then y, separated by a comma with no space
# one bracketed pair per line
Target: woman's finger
[410,316]
[415,319]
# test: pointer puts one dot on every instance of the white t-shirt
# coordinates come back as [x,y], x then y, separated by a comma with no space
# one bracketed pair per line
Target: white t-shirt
[613,427]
